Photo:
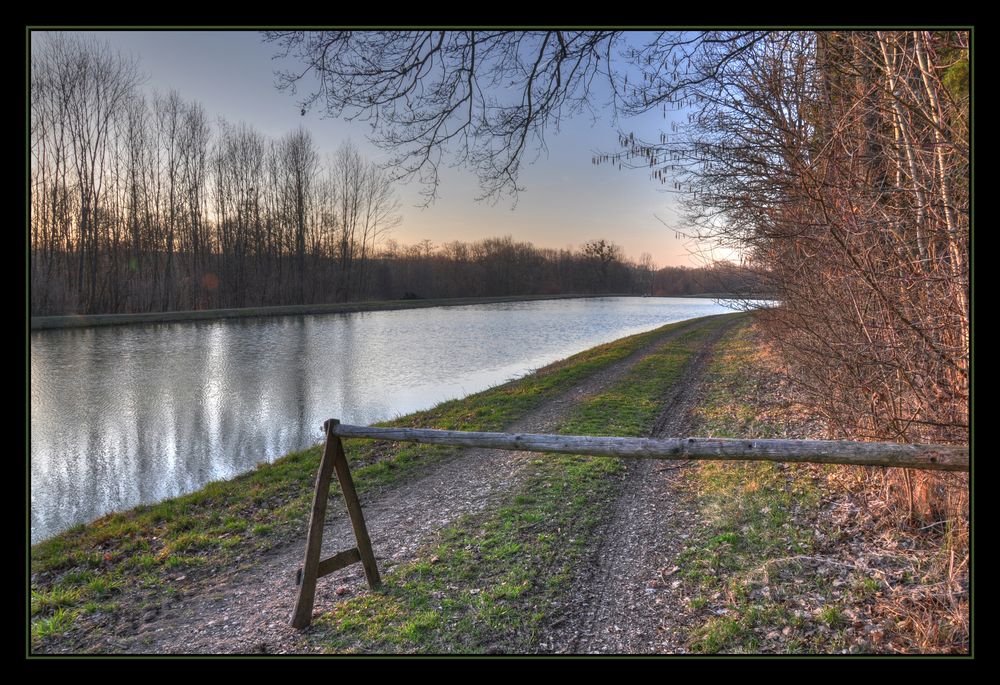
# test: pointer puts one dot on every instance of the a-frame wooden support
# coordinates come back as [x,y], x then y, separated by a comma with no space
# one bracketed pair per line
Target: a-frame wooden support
[313,568]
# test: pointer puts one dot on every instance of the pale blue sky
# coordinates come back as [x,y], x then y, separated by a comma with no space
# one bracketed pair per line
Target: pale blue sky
[567,200]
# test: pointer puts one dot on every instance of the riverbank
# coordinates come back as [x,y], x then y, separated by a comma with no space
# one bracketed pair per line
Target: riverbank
[120,573]
[804,558]
[486,551]
[88,320]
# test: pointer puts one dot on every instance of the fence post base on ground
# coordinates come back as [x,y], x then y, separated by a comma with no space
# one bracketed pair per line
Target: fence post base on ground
[313,568]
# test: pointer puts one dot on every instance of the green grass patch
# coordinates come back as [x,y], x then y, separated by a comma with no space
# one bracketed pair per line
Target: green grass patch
[743,554]
[716,634]
[104,586]
[54,625]
[832,616]
[231,522]
[866,587]
[485,582]
[98,607]
[46,603]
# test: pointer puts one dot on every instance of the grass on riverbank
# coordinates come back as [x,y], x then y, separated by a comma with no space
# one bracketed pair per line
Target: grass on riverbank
[743,568]
[789,560]
[486,583]
[128,561]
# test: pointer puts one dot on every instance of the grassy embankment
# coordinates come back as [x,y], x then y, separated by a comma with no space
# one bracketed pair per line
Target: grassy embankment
[125,562]
[788,558]
[753,515]
[486,583]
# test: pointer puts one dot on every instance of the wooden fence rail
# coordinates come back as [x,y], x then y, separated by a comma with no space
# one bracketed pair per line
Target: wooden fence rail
[935,457]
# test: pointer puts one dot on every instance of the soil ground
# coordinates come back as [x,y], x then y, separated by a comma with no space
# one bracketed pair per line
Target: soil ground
[620,597]
[685,558]
[247,611]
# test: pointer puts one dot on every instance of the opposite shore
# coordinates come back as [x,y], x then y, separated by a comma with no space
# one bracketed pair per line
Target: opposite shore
[85,320]
[89,320]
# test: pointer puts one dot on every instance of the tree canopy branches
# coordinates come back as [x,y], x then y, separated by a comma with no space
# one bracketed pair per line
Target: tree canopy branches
[483,97]
[835,162]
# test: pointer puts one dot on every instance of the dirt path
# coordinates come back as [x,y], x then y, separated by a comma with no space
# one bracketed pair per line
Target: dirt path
[620,600]
[247,611]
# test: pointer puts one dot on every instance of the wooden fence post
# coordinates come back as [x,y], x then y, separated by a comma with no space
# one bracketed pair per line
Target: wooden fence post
[312,567]
[357,516]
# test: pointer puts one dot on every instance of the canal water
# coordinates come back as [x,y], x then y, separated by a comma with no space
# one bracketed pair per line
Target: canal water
[129,415]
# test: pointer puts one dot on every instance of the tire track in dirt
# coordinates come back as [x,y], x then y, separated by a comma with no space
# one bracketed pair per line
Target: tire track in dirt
[619,602]
[247,610]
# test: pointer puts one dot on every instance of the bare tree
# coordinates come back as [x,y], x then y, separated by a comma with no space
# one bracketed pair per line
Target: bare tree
[362,208]
[602,254]
[486,97]
[298,162]
[194,150]
[83,88]
[836,163]
[169,121]
[239,179]
[647,268]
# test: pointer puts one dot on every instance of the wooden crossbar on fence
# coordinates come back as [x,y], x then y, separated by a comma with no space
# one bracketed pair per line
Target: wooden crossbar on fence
[935,457]
[885,454]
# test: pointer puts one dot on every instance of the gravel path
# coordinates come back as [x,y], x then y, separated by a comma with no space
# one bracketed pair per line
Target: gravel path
[620,601]
[247,610]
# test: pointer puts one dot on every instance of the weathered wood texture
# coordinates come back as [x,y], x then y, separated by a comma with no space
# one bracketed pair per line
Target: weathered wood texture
[312,569]
[339,561]
[330,564]
[933,457]
[354,509]
[302,614]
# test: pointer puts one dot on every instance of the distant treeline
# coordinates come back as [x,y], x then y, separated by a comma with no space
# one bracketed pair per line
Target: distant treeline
[485,268]
[140,204]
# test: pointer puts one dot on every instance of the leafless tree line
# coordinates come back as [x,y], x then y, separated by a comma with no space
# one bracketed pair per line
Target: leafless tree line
[140,204]
[137,204]
[503,266]
[838,164]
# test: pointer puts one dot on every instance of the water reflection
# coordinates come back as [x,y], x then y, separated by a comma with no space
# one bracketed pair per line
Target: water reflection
[135,414]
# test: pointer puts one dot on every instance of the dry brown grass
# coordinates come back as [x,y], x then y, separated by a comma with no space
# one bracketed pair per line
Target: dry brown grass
[910,528]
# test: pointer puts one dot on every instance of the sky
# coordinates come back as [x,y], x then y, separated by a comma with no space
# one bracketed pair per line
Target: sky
[567,199]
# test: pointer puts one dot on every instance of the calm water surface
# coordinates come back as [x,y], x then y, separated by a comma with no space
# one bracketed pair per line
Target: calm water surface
[130,415]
